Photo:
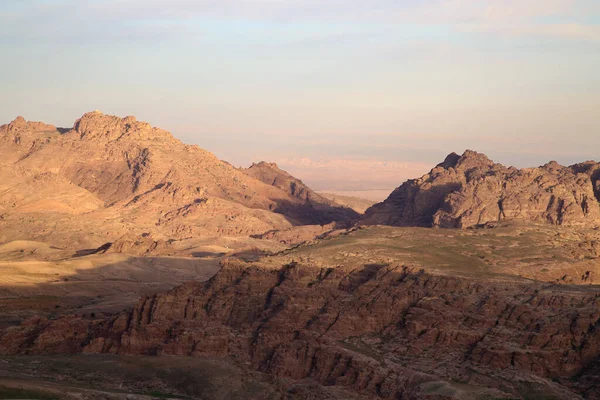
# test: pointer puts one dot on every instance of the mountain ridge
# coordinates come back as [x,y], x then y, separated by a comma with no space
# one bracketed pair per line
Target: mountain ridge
[471,190]
[148,180]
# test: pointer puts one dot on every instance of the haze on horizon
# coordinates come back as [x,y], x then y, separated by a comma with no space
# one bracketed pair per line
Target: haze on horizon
[343,94]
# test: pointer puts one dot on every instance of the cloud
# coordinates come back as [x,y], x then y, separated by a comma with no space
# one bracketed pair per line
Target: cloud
[534,18]
[565,31]
[83,21]
[550,18]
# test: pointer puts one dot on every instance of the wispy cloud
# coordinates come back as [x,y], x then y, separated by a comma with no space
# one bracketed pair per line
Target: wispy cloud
[568,19]
[560,30]
[553,18]
[83,21]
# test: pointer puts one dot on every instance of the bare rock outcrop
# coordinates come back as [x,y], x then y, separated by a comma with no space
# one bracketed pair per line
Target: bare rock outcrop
[142,245]
[98,126]
[271,174]
[389,331]
[11,134]
[470,190]
[19,124]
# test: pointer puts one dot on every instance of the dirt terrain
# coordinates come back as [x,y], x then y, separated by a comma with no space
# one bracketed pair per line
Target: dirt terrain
[100,377]
[40,279]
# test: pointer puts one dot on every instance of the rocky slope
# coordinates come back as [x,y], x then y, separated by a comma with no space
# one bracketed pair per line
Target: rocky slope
[271,174]
[316,208]
[128,178]
[470,190]
[387,330]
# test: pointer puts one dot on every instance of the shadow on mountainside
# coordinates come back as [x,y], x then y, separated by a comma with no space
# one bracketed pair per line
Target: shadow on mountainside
[131,377]
[596,183]
[315,214]
[89,252]
[107,288]
[207,254]
[410,205]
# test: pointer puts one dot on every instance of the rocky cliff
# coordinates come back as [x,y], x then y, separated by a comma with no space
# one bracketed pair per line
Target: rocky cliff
[470,190]
[384,330]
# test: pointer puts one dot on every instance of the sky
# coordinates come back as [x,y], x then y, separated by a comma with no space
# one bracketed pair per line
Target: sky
[345,94]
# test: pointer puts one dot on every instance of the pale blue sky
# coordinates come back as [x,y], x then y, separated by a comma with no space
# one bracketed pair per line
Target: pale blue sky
[315,84]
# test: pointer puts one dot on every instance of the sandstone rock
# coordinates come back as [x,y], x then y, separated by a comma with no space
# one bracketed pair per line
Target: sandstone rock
[11,134]
[95,125]
[358,318]
[142,245]
[127,176]
[366,329]
[470,190]
[19,124]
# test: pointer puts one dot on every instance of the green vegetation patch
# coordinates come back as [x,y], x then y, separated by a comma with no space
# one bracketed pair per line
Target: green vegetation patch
[15,393]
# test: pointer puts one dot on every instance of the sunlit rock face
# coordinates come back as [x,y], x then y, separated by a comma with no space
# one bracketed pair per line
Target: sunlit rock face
[470,190]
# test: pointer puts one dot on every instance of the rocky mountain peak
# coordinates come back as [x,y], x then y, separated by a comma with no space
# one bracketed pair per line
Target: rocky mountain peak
[468,160]
[19,121]
[271,174]
[450,161]
[99,126]
[265,164]
[552,166]
[150,178]
[472,159]
[20,124]
[472,190]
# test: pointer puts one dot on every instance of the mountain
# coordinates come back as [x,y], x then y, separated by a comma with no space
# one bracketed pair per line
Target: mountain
[316,209]
[109,176]
[471,190]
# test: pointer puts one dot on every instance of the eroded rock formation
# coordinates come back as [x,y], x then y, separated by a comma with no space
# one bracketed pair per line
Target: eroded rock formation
[390,331]
[470,190]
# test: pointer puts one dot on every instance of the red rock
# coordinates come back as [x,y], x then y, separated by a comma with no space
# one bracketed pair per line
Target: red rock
[470,190]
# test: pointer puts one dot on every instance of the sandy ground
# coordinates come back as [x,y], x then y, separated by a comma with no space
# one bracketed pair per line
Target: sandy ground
[40,279]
